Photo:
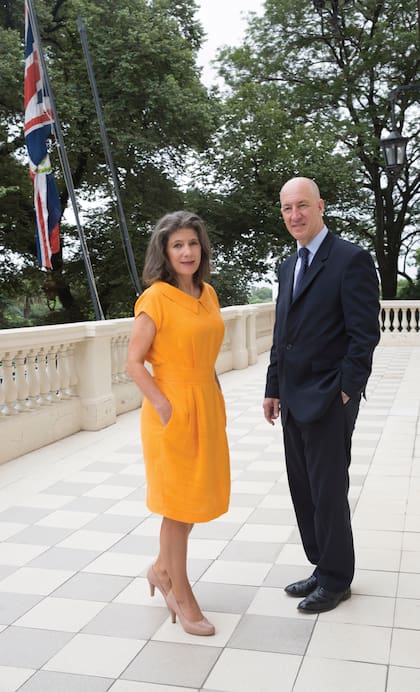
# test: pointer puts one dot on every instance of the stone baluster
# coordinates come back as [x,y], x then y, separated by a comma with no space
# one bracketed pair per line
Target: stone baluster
[63,359]
[33,378]
[22,385]
[405,324]
[10,388]
[2,387]
[44,380]
[387,320]
[74,378]
[53,366]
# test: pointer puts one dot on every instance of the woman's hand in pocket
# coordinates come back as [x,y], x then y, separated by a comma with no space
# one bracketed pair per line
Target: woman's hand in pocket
[165,412]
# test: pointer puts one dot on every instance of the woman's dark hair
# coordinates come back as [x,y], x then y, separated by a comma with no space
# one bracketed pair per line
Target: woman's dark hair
[156,264]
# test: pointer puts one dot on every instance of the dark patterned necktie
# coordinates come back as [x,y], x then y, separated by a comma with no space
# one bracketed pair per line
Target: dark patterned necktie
[304,256]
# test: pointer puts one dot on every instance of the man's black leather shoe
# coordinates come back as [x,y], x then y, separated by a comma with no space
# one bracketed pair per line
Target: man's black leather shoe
[302,588]
[321,600]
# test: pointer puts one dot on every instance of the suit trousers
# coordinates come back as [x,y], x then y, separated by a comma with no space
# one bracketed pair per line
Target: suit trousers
[318,456]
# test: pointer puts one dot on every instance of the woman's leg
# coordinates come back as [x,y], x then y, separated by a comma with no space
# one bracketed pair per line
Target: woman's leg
[172,560]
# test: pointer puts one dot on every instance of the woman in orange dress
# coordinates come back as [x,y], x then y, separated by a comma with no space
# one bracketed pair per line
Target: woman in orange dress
[178,329]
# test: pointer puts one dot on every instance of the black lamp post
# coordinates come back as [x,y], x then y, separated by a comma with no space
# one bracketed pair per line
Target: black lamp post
[394,146]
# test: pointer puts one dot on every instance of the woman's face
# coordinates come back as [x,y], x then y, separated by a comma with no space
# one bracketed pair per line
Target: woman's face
[184,252]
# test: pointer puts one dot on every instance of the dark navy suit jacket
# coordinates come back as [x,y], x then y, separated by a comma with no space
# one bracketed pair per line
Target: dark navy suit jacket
[324,338]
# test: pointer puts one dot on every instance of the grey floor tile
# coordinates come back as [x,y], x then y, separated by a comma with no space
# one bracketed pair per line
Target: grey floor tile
[67,488]
[137,494]
[295,537]
[216,529]
[44,681]
[280,488]
[281,575]
[24,515]
[93,587]
[104,467]
[137,545]
[172,664]
[129,448]
[114,523]
[247,551]
[124,479]
[248,500]
[6,571]
[96,505]
[129,621]
[273,634]
[40,535]
[224,598]
[22,647]
[196,568]
[12,606]
[64,558]
[258,476]
[272,516]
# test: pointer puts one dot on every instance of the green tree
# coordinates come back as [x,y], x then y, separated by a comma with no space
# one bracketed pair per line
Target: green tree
[156,111]
[309,96]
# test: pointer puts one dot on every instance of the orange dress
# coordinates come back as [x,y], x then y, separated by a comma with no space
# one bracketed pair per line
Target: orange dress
[187,460]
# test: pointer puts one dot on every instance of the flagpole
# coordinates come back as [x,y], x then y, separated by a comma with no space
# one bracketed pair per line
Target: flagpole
[121,216]
[66,168]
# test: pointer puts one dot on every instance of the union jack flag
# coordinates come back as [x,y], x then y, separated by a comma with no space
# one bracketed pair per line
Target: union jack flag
[38,127]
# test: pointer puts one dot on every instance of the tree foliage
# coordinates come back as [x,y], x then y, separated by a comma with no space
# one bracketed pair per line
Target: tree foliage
[156,110]
[309,96]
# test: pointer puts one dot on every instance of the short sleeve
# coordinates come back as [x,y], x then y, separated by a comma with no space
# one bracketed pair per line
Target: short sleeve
[150,303]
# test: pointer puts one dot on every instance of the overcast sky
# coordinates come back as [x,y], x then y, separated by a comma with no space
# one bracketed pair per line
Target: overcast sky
[224,24]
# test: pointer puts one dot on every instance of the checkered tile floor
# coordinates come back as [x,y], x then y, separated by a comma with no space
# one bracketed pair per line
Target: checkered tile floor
[77,538]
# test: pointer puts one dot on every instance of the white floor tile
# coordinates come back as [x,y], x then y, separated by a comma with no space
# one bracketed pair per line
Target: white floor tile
[118,563]
[363,610]
[405,648]
[128,508]
[8,529]
[66,519]
[264,533]
[248,573]
[205,548]
[88,654]
[110,492]
[12,678]
[275,602]
[90,540]
[138,593]
[326,675]
[19,553]
[293,554]
[403,679]
[128,686]
[375,583]
[31,580]
[65,614]
[224,623]
[350,642]
[249,671]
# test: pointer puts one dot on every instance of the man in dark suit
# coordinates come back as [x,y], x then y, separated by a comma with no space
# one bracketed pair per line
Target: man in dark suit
[325,333]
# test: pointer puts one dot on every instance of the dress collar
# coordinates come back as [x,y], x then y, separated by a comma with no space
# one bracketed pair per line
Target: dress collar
[184,299]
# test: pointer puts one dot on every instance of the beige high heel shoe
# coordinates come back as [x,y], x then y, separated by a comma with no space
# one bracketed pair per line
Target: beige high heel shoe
[154,581]
[202,627]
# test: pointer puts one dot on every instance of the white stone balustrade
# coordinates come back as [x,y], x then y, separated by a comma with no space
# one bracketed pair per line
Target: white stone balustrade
[55,381]
[400,319]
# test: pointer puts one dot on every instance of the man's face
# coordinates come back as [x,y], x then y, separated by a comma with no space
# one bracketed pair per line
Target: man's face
[302,210]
